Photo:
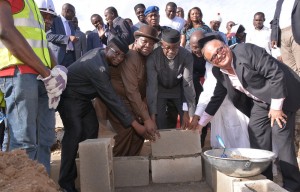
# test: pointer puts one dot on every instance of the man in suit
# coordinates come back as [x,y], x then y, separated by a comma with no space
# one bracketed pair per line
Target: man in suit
[265,90]
[286,32]
[117,26]
[80,45]
[62,37]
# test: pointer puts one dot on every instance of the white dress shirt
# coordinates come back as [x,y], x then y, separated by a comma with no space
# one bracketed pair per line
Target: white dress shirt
[285,19]
[176,23]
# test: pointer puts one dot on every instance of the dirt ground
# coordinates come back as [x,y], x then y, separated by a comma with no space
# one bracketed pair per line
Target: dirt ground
[20,174]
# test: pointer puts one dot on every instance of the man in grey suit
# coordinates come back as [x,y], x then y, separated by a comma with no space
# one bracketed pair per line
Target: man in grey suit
[286,32]
[265,90]
[80,45]
[62,37]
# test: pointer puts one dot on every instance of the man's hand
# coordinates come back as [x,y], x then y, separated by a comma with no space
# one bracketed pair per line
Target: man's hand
[186,120]
[151,129]
[273,44]
[279,116]
[194,122]
[74,39]
[140,129]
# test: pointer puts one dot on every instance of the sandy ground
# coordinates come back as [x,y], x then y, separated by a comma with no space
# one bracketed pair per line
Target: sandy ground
[20,174]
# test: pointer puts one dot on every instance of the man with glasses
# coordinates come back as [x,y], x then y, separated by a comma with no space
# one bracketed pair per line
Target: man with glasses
[129,80]
[89,78]
[264,89]
[170,78]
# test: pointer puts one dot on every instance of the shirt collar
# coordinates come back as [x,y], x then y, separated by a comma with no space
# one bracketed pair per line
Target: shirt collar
[226,71]
[63,19]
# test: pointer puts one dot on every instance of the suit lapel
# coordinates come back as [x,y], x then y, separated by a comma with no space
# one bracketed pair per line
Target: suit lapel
[295,4]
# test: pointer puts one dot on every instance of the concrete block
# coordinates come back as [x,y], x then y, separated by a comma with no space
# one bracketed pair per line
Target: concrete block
[220,182]
[264,185]
[146,149]
[131,171]
[183,169]
[54,172]
[96,165]
[176,142]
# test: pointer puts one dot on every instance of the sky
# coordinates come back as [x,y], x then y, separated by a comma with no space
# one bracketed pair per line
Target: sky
[239,11]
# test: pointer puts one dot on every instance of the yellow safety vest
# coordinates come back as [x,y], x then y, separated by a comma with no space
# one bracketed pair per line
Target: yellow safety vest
[30,24]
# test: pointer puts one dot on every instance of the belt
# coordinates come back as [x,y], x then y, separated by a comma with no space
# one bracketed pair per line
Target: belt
[69,51]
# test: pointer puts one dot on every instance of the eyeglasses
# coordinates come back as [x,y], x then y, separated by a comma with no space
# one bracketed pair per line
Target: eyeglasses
[168,48]
[117,54]
[219,51]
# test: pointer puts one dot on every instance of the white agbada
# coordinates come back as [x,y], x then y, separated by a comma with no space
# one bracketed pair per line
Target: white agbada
[228,122]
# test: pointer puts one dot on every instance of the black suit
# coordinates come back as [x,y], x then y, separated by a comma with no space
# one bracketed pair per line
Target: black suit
[275,35]
[58,41]
[265,78]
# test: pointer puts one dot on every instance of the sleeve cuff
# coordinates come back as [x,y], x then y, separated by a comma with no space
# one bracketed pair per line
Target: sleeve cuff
[276,104]
[205,119]
[185,106]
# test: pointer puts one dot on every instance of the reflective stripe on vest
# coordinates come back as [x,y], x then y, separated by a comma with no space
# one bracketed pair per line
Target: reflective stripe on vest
[30,24]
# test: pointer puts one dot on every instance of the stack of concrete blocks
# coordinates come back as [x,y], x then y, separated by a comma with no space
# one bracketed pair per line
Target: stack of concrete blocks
[219,182]
[176,157]
[96,165]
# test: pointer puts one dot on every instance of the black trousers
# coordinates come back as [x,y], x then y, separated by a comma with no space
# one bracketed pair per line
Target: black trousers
[261,135]
[167,112]
[80,123]
[69,58]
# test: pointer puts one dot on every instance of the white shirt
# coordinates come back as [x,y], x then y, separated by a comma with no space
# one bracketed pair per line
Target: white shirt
[285,19]
[175,23]
[68,32]
[276,104]
[262,38]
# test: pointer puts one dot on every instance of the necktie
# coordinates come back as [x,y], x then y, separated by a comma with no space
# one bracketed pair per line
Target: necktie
[68,32]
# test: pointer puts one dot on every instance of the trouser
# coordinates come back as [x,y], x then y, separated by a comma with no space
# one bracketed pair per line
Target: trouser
[30,122]
[261,135]
[80,123]
[161,119]
[69,58]
[127,141]
[290,49]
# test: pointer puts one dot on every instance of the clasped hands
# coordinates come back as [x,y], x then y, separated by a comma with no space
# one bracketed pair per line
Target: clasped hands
[55,84]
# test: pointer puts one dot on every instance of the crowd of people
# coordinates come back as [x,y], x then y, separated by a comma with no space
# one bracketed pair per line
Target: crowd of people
[165,70]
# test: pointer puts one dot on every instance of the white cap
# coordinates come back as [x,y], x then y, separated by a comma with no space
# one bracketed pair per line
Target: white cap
[217,17]
[46,6]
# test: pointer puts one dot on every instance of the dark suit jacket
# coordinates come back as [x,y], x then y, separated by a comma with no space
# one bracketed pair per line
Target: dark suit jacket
[122,29]
[261,75]
[58,39]
[275,34]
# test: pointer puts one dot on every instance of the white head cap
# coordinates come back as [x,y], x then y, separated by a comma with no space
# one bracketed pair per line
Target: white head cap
[217,17]
[46,6]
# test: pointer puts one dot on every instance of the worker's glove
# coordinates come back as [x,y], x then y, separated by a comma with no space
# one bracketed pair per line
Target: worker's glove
[55,83]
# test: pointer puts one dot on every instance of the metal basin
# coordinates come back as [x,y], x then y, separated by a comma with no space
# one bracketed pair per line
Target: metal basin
[241,162]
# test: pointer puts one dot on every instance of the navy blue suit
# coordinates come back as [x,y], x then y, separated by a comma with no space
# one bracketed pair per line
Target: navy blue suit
[58,41]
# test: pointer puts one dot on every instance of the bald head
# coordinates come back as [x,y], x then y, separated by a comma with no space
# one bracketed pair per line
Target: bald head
[195,37]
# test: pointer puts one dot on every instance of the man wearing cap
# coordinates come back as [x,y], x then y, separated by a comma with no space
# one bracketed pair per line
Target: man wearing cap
[88,78]
[139,10]
[264,89]
[129,81]
[62,36]
[171,20]
[30,82]
[170,78]
[48,12]
[215,24]
[153,18]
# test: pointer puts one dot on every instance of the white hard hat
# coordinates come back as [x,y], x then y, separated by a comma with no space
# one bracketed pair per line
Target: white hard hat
[46,6]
